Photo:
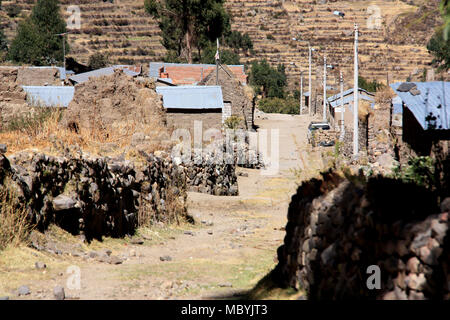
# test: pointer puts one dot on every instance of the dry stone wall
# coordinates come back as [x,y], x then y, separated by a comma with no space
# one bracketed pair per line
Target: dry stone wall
[338,227]
[95,197]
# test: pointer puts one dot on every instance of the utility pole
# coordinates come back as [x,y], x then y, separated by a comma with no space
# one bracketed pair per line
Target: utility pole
[301,92]
[324,89]
[217,63]
[341,78]
[64,47]
[310,80]
[355,99]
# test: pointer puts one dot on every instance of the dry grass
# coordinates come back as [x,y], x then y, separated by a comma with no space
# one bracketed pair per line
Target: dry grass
[14,224]
[43,131]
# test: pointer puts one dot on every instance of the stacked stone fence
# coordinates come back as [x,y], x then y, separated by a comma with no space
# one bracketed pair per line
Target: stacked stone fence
[337,228]
[95,196]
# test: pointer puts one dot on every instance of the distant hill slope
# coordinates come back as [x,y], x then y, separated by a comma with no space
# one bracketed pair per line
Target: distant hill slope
[128,34]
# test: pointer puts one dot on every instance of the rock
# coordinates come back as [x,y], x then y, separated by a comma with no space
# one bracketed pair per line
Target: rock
[415,91]
[23,291]
[406,86]
[3,148]
[413,265]
[415,282]
[438,230]
[137,241]
[165,258]
[40,265]
[445,205]
[400,294]
[415,295]
[210,233]
[428,256]
[108,252]
[226,285]
[328,254]
[93,254]
[63,202]
[386,161]
[189,233]
[58,293]
[115,260]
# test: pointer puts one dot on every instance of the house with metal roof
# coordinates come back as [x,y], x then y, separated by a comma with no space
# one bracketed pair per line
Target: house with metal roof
[425,113]
[186,104]
[132,71]
[335,106]
[49,96]
[190,74]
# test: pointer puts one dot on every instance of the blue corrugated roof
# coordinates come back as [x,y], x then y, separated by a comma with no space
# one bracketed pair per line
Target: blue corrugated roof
[155,66]
[83,77]
[348,99]
[191,97]
[347,92]
[434,99]
[49,96]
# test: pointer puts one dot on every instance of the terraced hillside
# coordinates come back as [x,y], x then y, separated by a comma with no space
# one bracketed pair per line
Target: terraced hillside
[120,28]
[399,42]
[395,49]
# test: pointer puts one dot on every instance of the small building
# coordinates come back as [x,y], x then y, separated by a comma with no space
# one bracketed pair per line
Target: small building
[132,71]
[186,104]
[190,74]
[335,110]
[425,114]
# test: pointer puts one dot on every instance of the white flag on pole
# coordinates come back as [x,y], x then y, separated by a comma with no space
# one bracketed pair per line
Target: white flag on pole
[217,52]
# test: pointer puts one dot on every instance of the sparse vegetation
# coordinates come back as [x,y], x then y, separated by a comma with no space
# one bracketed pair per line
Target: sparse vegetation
[279,105]
[14,224]
[419,170]
[98,60]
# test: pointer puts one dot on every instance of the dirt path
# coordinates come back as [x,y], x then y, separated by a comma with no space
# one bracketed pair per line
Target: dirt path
[230,248]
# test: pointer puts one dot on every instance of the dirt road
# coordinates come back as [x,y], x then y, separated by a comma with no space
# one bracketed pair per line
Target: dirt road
[230,248]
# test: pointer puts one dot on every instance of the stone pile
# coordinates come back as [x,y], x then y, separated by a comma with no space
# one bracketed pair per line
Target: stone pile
[323,136]
[337,228]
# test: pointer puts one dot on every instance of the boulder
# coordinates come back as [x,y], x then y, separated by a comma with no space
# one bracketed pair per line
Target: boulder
[63,202]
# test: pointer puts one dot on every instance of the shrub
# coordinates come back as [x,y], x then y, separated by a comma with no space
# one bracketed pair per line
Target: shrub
[98,60]
[419,170]
[13,10]
[279,105]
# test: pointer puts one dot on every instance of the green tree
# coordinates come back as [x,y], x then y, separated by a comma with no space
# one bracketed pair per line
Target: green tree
[439,44]
[3,42]
[189,25]
[37,41]
[371,86]
[268,81]
[98,60]
[237,41]
[226,56]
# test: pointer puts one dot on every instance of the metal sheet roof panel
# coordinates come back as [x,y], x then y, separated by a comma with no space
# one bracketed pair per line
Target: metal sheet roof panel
[49,96]
[433,100]
[191,97]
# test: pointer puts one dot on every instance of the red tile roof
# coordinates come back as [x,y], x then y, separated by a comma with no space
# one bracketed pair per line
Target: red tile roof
[189,75]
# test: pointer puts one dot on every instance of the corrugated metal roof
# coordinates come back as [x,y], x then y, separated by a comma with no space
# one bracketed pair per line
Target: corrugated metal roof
[83,77]
[347,92]
[191,97]
[49,96]
[348,99]
[430,101]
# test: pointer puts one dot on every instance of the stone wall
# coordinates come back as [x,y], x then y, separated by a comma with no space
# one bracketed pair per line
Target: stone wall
[338,227]
[13,104]
[97,197]
[184,119]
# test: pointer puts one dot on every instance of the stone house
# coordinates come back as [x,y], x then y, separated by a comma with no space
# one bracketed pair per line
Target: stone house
[186,104]
[238,99]
[425,115]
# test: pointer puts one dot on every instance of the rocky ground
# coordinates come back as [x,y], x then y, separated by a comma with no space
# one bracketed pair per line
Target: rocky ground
[225,253]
